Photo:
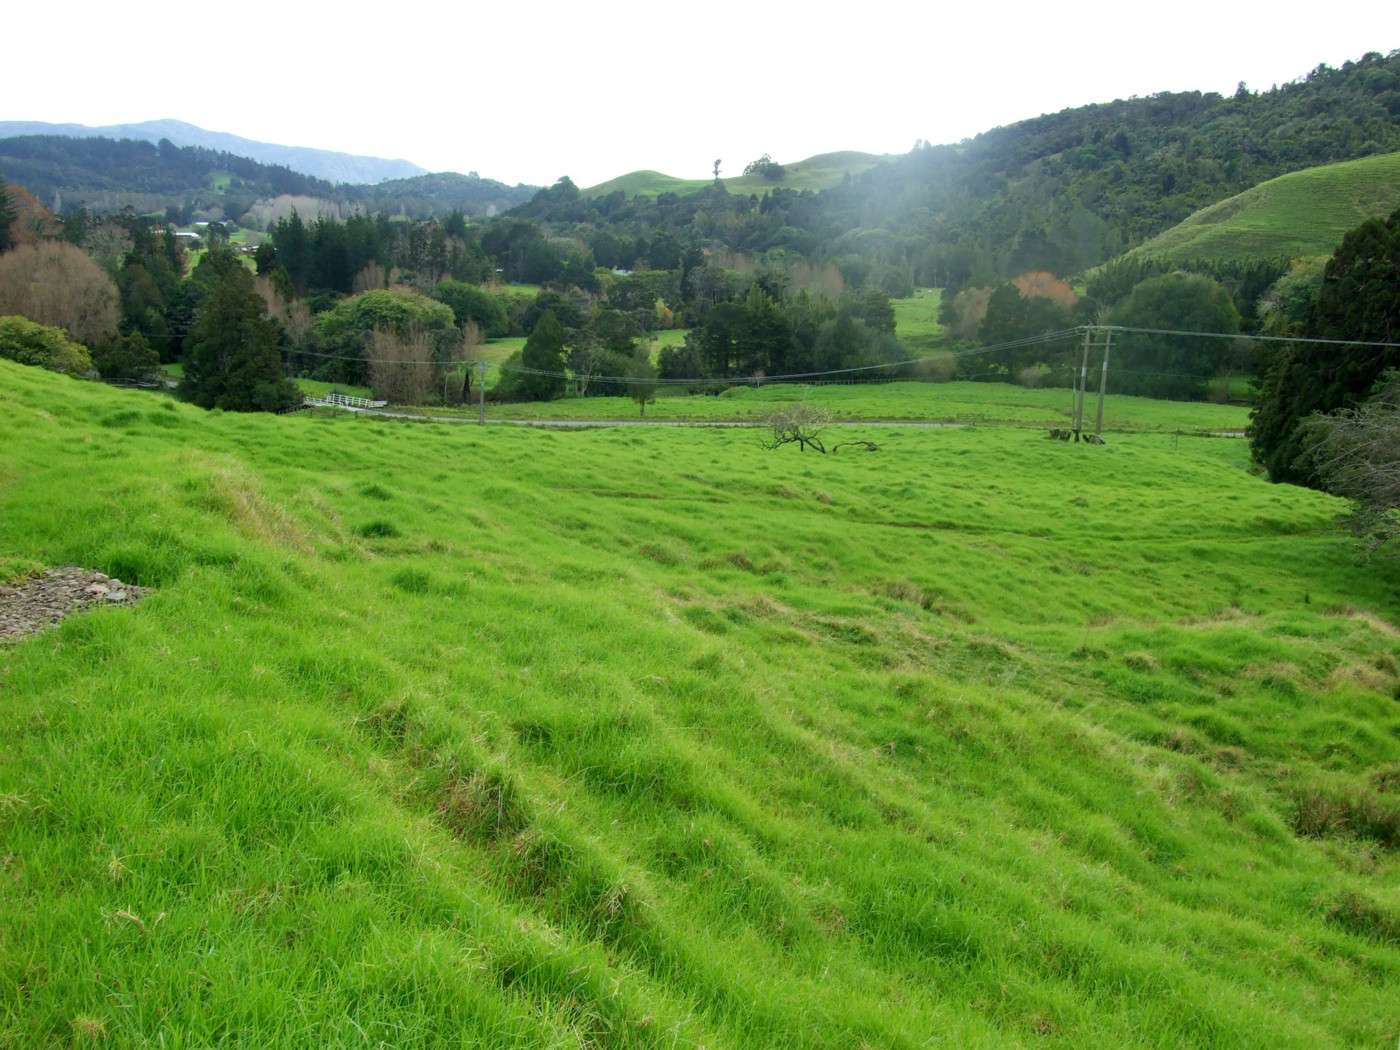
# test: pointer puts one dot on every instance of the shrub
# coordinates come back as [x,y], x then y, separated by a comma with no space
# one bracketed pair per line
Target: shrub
[41,345]
[57,284]
[126,357]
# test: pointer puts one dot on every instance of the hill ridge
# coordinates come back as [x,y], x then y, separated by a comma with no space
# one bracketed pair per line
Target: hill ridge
[1301,213]
[330,165]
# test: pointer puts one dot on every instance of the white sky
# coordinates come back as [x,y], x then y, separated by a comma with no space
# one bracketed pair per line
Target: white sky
[527,93]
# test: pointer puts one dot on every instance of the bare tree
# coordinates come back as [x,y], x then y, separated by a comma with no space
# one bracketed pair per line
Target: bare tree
[401,365]
[802,424]
[109,244]
[1356,453]
[371,278]
[58,284]
[292,314]
[584,356]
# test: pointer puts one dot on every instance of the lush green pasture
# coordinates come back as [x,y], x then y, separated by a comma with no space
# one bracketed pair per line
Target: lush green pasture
[1301,214]
[432,735]
[664,338]
[314,387]
[916,320]
[960,402]
[317,388]
[815,173]
[512,288]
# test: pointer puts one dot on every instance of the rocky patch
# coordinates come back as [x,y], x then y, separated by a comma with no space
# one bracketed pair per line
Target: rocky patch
[35,603]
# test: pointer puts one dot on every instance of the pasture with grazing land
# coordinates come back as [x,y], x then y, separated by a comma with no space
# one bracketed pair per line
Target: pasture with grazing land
[916,320]
[433,735]
[971,403]
[1304,213]
[821,172]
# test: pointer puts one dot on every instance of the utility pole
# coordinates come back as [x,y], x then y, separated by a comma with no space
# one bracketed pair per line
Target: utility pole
[481,392]
[1103,380]
[1080,384]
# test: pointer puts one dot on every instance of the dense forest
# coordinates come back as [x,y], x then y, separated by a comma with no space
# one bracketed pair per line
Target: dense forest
[1062,192]
[108,174]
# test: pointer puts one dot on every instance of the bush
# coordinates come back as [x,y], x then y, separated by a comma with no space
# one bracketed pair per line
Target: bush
[127,357]
[57,284]
[43,346]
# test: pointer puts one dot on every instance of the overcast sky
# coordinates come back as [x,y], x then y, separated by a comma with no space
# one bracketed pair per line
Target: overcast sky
[529,92]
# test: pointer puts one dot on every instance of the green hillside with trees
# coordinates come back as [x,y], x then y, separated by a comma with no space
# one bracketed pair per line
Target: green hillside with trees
[106,175]
[1304,213]
[820,172]
[905,669]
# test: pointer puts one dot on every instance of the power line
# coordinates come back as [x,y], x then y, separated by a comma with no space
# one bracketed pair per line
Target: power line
[1243,335]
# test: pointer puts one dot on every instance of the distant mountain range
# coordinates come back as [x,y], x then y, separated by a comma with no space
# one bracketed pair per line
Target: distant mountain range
[105,175]
[319,163]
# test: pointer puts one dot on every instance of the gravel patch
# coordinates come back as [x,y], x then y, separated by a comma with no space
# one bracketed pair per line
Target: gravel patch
[39,601]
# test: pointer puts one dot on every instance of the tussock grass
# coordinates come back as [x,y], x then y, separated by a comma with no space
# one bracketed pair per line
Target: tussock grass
[652,738]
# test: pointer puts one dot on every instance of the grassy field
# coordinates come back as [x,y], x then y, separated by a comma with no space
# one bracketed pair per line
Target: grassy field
[916,320]
[433,736]
[308,386]
[960,402]
[1301,214]
[815,173]
[664,338]
[316,388]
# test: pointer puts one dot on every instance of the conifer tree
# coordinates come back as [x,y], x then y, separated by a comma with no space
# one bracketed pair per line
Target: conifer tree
[233,358]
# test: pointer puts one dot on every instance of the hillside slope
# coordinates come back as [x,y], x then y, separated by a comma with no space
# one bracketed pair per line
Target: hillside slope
[329,165]
[819,172]
[105,175]
[1062,192]
[1300,214]
[434,735]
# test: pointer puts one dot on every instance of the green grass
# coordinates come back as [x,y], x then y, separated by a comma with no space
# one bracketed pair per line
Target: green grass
[316,388]
[666,337]
[916,320]
[958,402]
[821,172]
[495,351]
[431,735]
[1304,213]
[313,387]
[514,288]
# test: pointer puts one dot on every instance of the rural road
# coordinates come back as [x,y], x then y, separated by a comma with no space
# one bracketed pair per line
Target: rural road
[588,424]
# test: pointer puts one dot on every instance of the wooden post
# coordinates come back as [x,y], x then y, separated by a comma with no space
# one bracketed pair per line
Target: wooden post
[481,392]
[1080,384]
[1103,381]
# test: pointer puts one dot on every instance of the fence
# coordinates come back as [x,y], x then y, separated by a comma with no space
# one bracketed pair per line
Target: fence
[343,401]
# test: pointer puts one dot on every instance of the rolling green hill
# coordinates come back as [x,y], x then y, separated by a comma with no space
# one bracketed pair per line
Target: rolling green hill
[821,172]
[644,738]
[1301,214]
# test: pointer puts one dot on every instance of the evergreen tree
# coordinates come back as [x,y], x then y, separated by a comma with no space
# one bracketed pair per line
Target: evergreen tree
[1359,299]
[7,217]
[233,360]
[1173,365]
[544,352]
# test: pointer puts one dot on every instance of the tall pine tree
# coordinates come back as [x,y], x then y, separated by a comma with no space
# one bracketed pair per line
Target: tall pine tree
[232,355]
[544,352]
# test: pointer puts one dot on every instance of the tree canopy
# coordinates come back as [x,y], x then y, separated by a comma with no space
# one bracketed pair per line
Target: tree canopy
[1359,298]
[233,359]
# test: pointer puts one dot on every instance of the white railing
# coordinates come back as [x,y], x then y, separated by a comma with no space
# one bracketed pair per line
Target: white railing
[343,401]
